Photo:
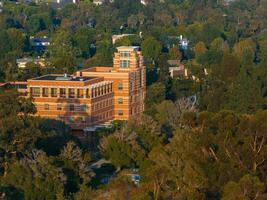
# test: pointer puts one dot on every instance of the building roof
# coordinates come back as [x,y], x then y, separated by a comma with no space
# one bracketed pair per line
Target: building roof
[24,60]
[63,77]
[173,62]
[43,39]
[128,48]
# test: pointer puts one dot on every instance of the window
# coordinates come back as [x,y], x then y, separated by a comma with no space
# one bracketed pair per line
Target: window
[120,86]
[53,92]
[125,54]
[120,100]
[95,90]
[35,92]
[71,107]
[83,108]
[46,106]
[125,63]
[120,112]
[45,92]
[71,93]
[87,93]
[80,93]
[59,106]
[62,92]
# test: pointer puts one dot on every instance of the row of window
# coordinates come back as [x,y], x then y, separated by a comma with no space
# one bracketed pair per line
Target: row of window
[101,104]
[80,93]
[124,64]
[70,107]
[103,116]
[73,120]
[125,54]
[135,110]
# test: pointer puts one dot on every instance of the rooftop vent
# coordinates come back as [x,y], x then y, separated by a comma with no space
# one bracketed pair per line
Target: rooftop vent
[63,78]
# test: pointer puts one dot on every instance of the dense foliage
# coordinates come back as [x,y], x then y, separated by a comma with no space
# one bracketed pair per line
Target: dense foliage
[213,149]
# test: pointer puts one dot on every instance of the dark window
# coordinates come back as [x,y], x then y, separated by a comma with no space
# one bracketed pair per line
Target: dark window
[87,93]
[125,63]
[80,93]
[72,107]
[35,92]
[120,112]
[120,86]
[59,106]
[120,100]
[45,92]
[71,93]
[53,92]
[125,54]
[62,92]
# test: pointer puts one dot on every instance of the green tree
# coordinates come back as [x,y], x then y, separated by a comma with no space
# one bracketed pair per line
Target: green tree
[151,48]
[245,94]
[200,49]
[248,187]
[62,52]
[118,151]
[17,40]
[36,177]
[175,53]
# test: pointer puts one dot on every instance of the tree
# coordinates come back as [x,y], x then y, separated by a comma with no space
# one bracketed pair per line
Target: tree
[84,193]
[245,94]
[36,177]
[155,94]
[151,48]
[248,187]
[175,53]
[228,69]
[74,159]
[83,39]
[183,178]
[62,52]
[17,40]
[119,152]
[245,48]
[200,49]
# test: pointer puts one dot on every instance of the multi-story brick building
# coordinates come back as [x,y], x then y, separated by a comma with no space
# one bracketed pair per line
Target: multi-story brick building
[93,96]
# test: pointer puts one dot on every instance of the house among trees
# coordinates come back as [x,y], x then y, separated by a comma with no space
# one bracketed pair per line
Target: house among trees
[22,62]
[100,2]
[40,43]
[177,70]
[183,43]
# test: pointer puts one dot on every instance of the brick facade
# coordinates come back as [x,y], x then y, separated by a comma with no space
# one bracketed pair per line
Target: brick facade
[96,95]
